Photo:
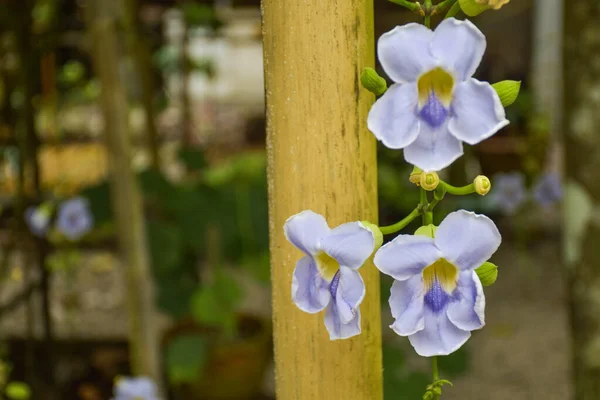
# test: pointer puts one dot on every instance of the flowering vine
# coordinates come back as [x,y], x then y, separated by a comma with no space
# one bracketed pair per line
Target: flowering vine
[433,106]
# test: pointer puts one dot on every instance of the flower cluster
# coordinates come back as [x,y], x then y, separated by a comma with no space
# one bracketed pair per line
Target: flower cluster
[511,191]
[141,388]
[74,218]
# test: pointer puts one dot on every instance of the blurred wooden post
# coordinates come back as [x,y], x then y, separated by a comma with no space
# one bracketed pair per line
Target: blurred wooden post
[127,203]
[582,199]
[321,157]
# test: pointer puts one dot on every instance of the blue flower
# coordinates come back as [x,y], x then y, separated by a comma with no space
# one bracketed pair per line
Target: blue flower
[509,192]
[547,190]
[437,298]
[327,277]
[141,388]
[434,105]
[74,218]
[38,220]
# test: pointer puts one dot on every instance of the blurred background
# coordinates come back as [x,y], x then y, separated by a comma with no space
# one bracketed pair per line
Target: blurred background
[186,80]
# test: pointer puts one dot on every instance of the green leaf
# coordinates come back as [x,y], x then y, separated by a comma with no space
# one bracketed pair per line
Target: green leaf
[488,273]
[187,355]
[166,248]
[98,197]
[18,391]
[173,295]
[192,158]
[472,8]
[371,81]
[216,304]
[508,91]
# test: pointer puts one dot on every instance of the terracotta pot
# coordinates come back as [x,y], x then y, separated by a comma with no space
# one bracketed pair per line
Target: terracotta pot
[236,366]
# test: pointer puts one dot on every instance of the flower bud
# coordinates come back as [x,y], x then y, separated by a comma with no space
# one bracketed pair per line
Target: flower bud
[371,81]
[429,180]
[377,235]
[487,273]
[495,4]
[427,230]
[482,185]
[415,176]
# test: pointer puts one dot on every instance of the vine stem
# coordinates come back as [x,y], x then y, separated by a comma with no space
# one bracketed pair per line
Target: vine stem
[398,226]
[459,191]
[436,375]
[453,11]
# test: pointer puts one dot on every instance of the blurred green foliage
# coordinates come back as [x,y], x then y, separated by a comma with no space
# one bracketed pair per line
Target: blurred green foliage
[187,356]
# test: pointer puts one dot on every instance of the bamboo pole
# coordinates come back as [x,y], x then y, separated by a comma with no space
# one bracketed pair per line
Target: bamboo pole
[582,194]
[127,203]
[321,157]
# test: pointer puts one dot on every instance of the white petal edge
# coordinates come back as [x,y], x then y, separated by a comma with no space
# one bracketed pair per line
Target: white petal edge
[404,52]
[305,230]
[406,256]
[393,119]
[434,149]
[478,112]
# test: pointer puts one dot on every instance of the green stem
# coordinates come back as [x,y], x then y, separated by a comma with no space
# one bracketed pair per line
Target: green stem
[414,7]
[453,11]
[432,205]
[424,204]
[436,375]
[427,18]
[459,191]
[387,230]
[441,7]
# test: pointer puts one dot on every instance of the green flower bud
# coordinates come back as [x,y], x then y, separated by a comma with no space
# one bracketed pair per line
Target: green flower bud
[430,180]
[376,233]
[437,391]
[18,391]
[508,91]
[427,230]
[373,82]
[482,185]
[415,176]
[487,273]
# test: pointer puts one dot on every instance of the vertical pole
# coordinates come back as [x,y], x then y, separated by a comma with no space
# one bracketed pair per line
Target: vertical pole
[582,196]
[321,157]
[127,203]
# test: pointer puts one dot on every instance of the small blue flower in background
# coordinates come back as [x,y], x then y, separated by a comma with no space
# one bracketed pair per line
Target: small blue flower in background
[548,190]
[38,219]
[509,192]
[437,298]
[327,277]
[74,218]
[140,388]
[434,105]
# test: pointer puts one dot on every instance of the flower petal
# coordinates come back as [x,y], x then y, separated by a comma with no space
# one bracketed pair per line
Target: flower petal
[351,244]
[459,45]
[406,256]
[406,303]
[404,52]
[478,112]
[468,313]
[393,118]
[310,292]
[439,337]
[335,327]
[305,230]
[466,239]
[434,149]
[349,293]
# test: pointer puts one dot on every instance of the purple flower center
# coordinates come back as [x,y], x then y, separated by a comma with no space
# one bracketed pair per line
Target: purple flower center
[436,298]
[433,112]
[334,284]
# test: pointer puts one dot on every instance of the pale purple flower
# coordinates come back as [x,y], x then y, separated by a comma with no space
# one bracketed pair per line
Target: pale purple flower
[38,220]
[437,298]
[547,190]
[434,105]
[327,277]
[74,218]
[508,192]
[141,388]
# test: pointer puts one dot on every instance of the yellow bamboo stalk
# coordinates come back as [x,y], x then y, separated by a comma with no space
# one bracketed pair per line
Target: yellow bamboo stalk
[321,157]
